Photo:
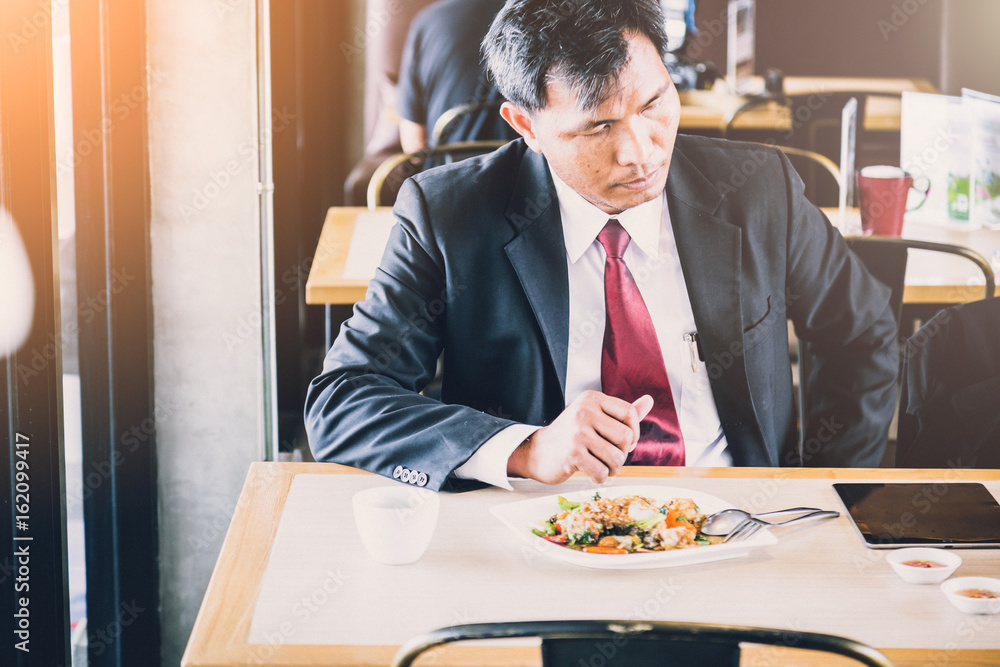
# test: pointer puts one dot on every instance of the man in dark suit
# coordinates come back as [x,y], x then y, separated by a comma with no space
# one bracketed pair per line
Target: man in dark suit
[603,290]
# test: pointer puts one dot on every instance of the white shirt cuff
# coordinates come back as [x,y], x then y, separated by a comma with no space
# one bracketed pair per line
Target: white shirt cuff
[489,463]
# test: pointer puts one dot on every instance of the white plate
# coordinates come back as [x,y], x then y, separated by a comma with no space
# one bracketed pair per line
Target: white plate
[523,515]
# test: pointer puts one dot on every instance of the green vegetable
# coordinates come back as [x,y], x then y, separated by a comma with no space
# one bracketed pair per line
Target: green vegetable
[566,505]
[548,529]
[649,522]
[580,538]
[597,496]
[701,539]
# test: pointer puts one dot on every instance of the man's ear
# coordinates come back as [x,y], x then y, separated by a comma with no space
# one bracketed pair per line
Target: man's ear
[521,121]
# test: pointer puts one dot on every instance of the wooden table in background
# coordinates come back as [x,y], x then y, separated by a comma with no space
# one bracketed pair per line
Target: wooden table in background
[294,586]
[704,110]
[930,277]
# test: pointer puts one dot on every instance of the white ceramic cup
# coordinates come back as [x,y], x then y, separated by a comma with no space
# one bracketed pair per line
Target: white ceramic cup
[396,522]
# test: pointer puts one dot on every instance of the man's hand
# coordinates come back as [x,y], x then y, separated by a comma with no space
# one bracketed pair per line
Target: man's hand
[594,435]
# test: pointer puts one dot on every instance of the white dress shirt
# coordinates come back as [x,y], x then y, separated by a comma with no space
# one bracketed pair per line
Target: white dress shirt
[652,259]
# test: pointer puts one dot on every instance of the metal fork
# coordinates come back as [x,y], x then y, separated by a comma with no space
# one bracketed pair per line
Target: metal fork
[750,527]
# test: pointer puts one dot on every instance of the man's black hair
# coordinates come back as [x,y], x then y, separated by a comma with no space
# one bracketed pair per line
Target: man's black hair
[582,42]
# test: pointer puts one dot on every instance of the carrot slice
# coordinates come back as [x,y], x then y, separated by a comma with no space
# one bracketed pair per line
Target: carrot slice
[605,550]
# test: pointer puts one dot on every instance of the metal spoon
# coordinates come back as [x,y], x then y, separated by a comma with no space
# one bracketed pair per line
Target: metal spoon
[725,521]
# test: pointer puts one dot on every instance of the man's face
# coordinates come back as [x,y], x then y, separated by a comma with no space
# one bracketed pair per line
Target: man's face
[617,155]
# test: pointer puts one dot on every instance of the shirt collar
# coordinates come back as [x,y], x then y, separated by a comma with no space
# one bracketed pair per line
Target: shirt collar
[582,221]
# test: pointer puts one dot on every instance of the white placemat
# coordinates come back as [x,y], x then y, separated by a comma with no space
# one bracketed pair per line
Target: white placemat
[371,233]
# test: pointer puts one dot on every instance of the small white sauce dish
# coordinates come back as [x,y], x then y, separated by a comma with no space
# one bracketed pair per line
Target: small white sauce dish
[973,605]
[912,564]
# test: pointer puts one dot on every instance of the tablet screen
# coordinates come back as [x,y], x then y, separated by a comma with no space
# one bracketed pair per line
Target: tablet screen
[943,514]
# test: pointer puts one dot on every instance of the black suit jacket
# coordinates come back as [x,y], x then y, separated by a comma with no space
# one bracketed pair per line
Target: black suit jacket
[476,268]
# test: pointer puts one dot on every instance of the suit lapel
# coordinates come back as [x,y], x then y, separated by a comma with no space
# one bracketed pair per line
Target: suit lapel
[710,253]
[538,255]
[709,250]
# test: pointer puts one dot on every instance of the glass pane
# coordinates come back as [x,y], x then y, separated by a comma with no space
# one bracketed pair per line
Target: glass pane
[72,432]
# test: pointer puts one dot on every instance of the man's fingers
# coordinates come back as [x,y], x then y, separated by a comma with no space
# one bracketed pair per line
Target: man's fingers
[594,468]
[617,433]
[643,405]
[610,455]
[637,412]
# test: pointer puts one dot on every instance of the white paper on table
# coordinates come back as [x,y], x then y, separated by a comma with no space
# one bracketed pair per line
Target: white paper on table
[935,141]
[984,186]
[371,233]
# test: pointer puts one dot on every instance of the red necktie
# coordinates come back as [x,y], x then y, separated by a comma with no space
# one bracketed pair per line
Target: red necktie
[631,361]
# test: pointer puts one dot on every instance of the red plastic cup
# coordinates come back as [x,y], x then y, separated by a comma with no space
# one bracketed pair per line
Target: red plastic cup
[882,195]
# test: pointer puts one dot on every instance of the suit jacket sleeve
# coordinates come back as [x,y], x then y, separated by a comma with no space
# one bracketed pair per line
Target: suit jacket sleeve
[848,342]
[365,409]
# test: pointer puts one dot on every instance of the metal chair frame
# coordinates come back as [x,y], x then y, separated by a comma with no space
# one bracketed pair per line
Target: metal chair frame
[730,636]
[388,166]
[823,161]
[454,113]
[989,290]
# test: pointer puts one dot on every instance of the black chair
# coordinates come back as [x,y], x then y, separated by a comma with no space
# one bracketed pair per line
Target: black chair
[885,258]
[389,175]
[949,414]
[642,643]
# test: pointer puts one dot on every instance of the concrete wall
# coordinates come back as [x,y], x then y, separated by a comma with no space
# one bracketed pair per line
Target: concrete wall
[971,50]
[206,286]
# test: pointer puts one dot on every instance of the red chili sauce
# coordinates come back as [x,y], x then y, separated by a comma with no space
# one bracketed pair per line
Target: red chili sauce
[922,563]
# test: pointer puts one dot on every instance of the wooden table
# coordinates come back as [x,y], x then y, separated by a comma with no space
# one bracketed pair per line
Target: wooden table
[294,586]
[930,277]
[706,109]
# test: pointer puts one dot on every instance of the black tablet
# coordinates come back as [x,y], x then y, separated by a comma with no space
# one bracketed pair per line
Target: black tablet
[925,514]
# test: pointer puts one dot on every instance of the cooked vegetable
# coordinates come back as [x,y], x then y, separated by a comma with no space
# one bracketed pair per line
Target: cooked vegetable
[566,505]
[605,550]
[545,528]
[628,524]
